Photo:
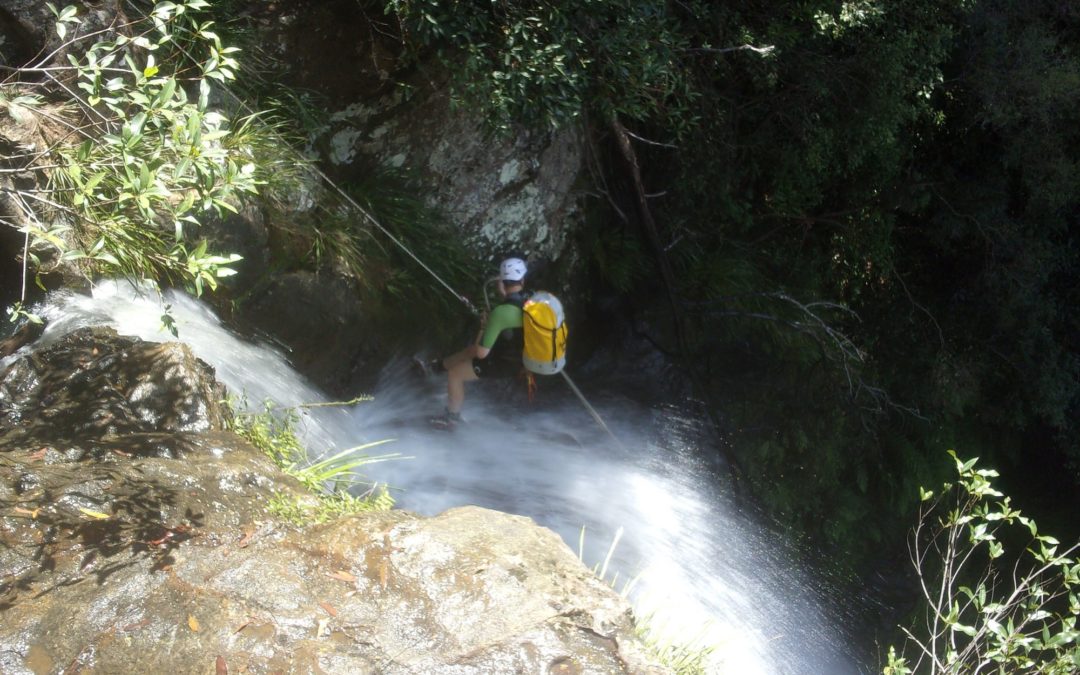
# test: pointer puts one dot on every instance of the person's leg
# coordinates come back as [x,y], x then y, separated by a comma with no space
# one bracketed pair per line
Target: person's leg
[463,356]
[458,373]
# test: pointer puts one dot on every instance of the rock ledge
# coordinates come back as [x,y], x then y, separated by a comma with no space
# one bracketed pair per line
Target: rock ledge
[135,539]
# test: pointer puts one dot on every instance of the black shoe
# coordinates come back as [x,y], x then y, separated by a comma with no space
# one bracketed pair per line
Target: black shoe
[447,421]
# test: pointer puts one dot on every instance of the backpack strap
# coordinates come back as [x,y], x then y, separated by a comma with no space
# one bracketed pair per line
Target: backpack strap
[518,298]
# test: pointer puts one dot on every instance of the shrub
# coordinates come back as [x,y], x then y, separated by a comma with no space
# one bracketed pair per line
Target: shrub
[333,479]
[135,153]
[990,605]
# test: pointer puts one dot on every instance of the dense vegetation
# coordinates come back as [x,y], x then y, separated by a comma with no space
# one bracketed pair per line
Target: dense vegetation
[125,152]
[855,223]
[863,215]
[998,594]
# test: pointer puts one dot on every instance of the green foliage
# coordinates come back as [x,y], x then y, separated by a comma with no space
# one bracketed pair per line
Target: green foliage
[617,257]
[332,479]
[867,206]
[274,141]
[18,311]
[545,63]
[329,506]
[153,155]
[275,435]
[684,656]
[994,242]
[336,235]
[427,237]
[391,275]
[999,595]
[306,110]
[907,164]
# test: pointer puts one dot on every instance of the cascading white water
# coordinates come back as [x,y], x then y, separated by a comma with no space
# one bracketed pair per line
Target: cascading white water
[707,570]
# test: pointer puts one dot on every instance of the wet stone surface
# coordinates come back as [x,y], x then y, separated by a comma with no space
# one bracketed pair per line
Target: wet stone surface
[94,384]
[143,544]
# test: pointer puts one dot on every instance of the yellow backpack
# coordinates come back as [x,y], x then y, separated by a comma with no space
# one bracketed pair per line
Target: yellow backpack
[544,326]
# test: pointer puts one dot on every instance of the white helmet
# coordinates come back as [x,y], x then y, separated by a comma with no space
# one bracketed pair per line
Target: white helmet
[512,269]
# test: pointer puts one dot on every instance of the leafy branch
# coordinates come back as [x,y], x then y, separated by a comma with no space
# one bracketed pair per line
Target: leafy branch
[989,607]
[151,156]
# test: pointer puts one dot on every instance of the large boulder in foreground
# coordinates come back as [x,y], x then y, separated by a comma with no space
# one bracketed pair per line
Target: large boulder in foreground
[144,545]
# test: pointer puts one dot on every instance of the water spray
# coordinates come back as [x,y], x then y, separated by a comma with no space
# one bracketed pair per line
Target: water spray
[592,410]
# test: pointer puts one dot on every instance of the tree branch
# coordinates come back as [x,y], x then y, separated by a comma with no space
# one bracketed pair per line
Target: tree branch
[767,49]
[626,148]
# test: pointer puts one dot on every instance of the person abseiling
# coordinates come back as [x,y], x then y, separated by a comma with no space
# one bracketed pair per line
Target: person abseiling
[496,353]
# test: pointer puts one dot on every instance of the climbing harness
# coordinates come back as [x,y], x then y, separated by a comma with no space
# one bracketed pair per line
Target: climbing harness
[530,385]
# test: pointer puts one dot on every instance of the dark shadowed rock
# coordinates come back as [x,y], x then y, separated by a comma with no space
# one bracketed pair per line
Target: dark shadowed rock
[243,233]
[27,332]
[320,320]
[28,28]
[25,27]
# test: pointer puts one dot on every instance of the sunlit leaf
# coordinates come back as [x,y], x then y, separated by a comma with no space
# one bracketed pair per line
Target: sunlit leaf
[97,515]
[328,608]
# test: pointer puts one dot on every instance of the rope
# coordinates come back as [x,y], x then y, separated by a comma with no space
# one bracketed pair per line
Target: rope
[592,411]
[348,198]
[371,219]
[472,308]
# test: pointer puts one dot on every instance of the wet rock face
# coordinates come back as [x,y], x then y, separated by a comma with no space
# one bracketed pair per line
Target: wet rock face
[143,544]
[470,591]
[501,194]
[322,322]
[93,385]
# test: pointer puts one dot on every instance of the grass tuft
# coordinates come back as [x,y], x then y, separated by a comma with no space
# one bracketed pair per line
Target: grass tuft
[683,656]
[333,479]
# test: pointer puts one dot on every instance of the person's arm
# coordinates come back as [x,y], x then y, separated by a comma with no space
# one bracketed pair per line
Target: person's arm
[470,352]
[476,349]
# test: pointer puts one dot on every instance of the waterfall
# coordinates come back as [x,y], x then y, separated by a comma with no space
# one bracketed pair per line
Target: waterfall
[705,568]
